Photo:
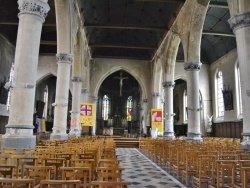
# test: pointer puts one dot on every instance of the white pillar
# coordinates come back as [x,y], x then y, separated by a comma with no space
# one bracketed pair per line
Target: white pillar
[156,100]
[75,127]
[62,92]
[169,114]
[95,101]
[193,102]
[143,113]
[240,24]
[19,131]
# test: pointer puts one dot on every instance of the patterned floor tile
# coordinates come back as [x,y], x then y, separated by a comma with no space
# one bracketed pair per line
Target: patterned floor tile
[142,172]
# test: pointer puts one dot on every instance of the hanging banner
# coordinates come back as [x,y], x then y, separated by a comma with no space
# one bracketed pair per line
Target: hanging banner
[156,119]
[87,114]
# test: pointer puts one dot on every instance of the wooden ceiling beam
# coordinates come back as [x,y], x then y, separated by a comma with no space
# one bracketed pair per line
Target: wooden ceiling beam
[216,33]
[121,46]
[16,23]
[103,26]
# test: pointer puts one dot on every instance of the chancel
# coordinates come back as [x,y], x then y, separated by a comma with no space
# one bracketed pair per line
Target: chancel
[86,76]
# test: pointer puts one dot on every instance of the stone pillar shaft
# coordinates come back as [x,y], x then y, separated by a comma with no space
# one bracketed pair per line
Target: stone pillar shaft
[240,24]
[62,90]
[75,127]
[193,102]
[169,120]
[156,100]
[19,131]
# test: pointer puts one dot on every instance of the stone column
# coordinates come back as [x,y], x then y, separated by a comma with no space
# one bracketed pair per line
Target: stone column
[193,102]
[95,101]
[169,116]
[240,23]
[19,130]
[156,100]
[75,127]
[62,92]
[143,111]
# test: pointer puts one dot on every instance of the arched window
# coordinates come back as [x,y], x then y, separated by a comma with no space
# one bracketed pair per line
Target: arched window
[219,95]
[45,99]
[238,89]
[105,107]
[129,108]
[9,86]
[185,111]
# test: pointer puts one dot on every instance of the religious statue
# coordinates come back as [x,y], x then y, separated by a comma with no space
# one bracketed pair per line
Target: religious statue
[121,78]
[208,124]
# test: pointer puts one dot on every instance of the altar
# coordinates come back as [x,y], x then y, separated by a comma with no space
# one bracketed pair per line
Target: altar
[113,131]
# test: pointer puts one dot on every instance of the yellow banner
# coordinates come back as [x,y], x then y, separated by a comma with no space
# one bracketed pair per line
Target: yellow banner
[156,119]
[87,114]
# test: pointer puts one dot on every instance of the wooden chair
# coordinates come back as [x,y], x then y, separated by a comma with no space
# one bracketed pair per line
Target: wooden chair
[246,177]
[16,183]
[77,173]
[56,163]
[60,183]
[109,184]
[240,175]
[7,171]
[191,166]
[66,156]
[24,161]
[37,173]
[87,163]
[225,174]
[109,173]
[206,171]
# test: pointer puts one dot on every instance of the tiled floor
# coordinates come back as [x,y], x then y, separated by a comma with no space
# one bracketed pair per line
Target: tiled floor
[142,172]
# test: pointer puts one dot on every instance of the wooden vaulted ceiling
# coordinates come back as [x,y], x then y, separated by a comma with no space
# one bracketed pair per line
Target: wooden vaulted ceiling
[131,29]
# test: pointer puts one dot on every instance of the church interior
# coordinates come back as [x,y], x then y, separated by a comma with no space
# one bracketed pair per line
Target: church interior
[145,85]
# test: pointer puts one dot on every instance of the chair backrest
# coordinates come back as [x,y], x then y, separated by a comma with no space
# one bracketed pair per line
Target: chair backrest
[60,183]
[7,171]
[16,183]
[110,184]
[109,173]
[225,173]
[37,173]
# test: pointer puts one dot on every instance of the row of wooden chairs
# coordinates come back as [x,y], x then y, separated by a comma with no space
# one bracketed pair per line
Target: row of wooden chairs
[204,163]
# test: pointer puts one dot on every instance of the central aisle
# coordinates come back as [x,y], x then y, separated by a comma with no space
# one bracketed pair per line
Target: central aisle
[142,172]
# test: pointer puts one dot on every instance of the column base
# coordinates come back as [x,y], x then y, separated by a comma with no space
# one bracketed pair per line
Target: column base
[58,136]
[245,143]
[18,141]
[19,136]
[168,135]
[194,137]
[74,134]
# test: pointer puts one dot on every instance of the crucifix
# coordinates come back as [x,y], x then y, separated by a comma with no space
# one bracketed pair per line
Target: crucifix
[121,78]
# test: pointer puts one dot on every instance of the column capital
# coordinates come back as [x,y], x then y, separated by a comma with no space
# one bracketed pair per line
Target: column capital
[64,58]
[192,66]
[168,84]
[239,21]
[37,7]
[76,79]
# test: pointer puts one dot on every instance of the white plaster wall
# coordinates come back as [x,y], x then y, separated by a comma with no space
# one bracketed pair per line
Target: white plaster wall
[227,65]
[140,70]
[46,65]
